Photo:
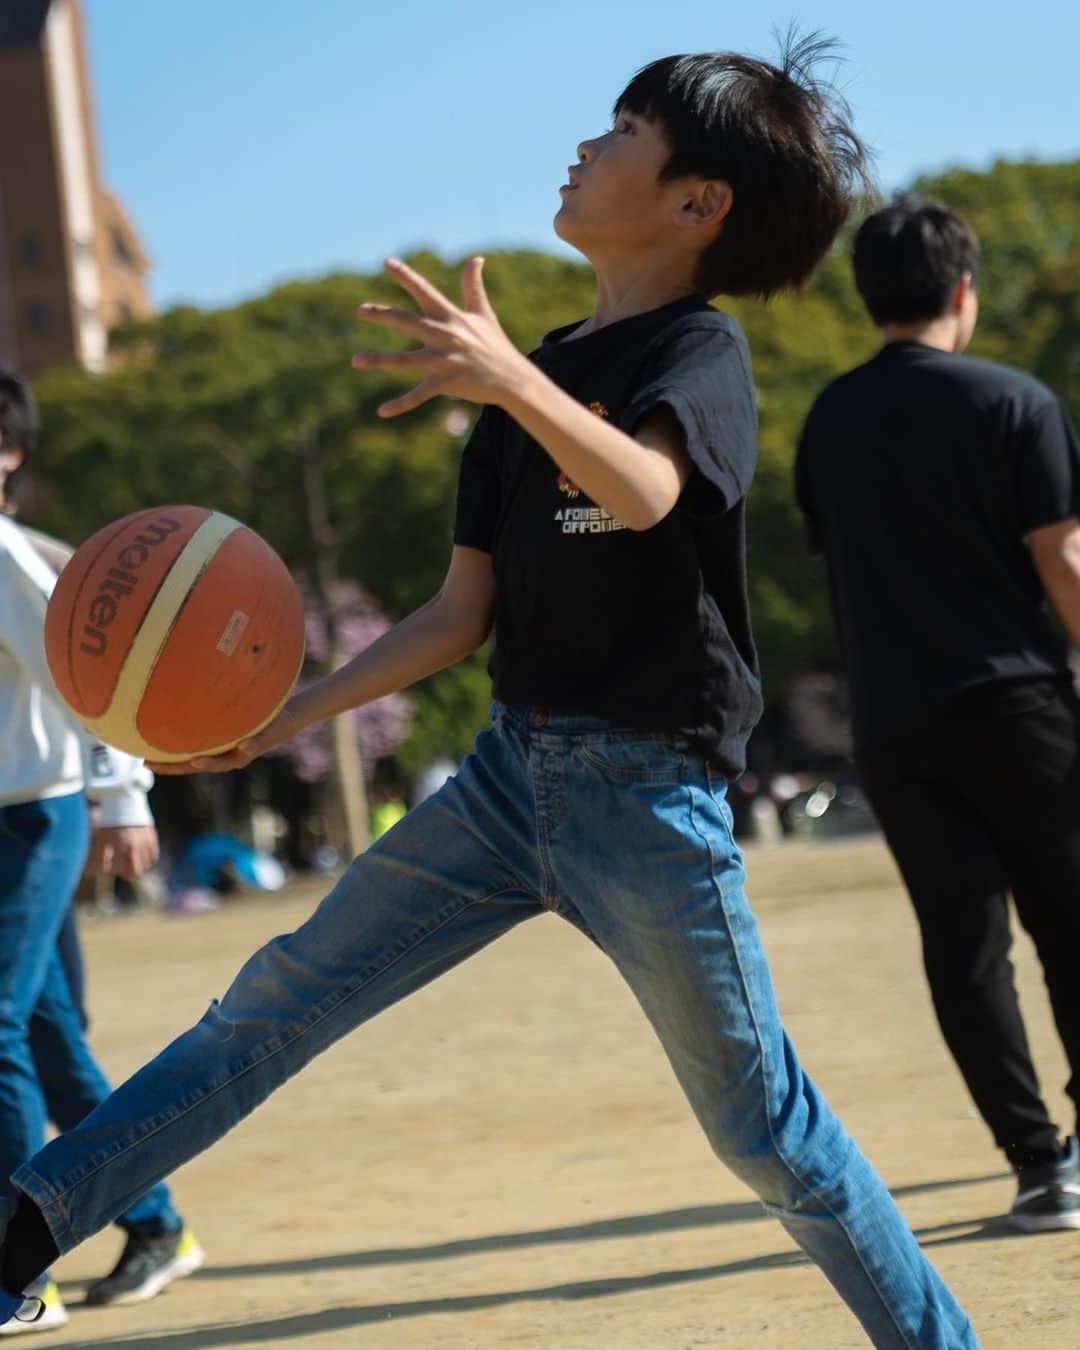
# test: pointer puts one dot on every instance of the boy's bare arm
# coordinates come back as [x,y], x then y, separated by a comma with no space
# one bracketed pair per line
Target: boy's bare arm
[467,355]
[452,624]
[637,478]
[1055,551]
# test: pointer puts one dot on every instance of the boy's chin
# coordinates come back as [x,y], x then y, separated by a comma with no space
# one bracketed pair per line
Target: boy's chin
[564,226]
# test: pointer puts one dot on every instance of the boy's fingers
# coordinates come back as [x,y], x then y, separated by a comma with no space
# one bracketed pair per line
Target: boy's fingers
[428,297]
[472,287]
[422,359]
[224,763]
[403,319]
[239,757]
[427,389]
[201,764]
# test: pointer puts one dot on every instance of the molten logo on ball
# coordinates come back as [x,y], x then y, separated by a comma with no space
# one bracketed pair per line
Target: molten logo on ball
[120,581]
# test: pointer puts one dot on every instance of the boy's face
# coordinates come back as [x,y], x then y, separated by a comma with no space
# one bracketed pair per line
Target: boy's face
[615,201]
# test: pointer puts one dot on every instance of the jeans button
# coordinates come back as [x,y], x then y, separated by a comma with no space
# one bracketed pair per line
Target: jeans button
[539,717]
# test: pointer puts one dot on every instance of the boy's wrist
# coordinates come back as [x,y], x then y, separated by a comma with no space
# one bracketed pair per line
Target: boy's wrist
[299,712]
[326,698]
[522,390]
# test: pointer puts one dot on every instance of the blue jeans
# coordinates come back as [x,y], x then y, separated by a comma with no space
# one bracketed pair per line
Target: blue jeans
[46,1069]
[629,838]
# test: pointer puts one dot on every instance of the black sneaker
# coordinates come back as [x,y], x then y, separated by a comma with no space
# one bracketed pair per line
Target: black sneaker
[1048,1194]
[146,1266]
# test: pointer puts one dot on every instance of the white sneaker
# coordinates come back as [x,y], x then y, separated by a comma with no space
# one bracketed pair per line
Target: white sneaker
[46,1296]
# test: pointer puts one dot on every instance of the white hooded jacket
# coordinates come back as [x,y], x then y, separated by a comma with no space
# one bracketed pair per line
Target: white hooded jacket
[44,752]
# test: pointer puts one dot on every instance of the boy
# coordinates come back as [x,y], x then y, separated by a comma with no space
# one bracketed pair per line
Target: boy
[603,486]
[46,1068]
[944,492]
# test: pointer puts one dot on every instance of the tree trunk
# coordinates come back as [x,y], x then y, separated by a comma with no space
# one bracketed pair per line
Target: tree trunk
[351,794]
[348,825]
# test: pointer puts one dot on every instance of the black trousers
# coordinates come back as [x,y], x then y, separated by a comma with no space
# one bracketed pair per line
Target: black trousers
[980,798]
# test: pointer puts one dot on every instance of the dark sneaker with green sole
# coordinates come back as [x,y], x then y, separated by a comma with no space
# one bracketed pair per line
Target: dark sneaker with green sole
[1048,1194]
[146,1266]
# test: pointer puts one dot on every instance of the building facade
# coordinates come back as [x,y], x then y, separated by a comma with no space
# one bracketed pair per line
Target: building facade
[71,265]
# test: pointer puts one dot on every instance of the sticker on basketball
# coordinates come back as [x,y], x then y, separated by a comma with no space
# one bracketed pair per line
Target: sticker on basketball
[175,632]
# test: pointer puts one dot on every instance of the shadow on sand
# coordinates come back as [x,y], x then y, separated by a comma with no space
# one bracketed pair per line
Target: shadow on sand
[299,1326]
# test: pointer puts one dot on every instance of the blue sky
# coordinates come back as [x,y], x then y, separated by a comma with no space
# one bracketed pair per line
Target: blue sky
[256,140]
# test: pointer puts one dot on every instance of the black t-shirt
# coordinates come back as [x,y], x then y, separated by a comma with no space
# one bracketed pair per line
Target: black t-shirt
[920,474]
[648,628]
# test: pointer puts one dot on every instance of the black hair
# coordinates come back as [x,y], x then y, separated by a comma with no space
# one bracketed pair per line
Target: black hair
[909,257]
[18,421]
[779,136]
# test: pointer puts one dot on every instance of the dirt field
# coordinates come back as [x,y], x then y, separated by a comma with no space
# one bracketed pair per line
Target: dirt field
[506,1161]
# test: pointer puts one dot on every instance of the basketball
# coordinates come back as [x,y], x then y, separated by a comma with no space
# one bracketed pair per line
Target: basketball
[175,632]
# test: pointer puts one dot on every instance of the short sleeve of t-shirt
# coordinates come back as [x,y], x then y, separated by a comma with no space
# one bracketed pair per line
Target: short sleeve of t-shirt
[1047,465]
[700,370]
[479,485]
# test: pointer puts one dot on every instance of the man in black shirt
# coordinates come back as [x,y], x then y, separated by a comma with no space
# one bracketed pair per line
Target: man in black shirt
[944,493]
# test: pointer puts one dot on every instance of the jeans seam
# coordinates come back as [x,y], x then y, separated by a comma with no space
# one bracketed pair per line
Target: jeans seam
[56,1198]
[548,891]
[810,1190]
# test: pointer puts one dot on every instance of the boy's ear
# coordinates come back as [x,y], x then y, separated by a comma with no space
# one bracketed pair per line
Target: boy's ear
[961,291]
[707,202]
[10,459]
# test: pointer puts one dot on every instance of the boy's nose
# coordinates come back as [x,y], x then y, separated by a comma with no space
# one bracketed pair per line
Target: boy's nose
[585,152]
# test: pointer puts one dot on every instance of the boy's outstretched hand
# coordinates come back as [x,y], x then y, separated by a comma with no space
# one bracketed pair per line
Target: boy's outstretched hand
[465,353]
[239,757]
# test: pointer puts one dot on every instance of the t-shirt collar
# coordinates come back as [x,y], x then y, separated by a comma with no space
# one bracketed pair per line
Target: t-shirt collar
[911,346]
[619,331]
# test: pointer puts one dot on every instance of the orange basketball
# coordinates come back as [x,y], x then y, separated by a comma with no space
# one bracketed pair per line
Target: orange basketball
[175,632]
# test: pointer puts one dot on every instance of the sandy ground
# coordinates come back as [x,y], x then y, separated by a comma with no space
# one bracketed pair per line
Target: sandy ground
[506,1161]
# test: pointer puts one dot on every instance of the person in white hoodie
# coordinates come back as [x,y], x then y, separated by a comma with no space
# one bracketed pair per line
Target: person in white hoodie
[49,768]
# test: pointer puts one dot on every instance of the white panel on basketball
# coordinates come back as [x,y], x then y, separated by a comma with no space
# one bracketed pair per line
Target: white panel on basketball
[117,723]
